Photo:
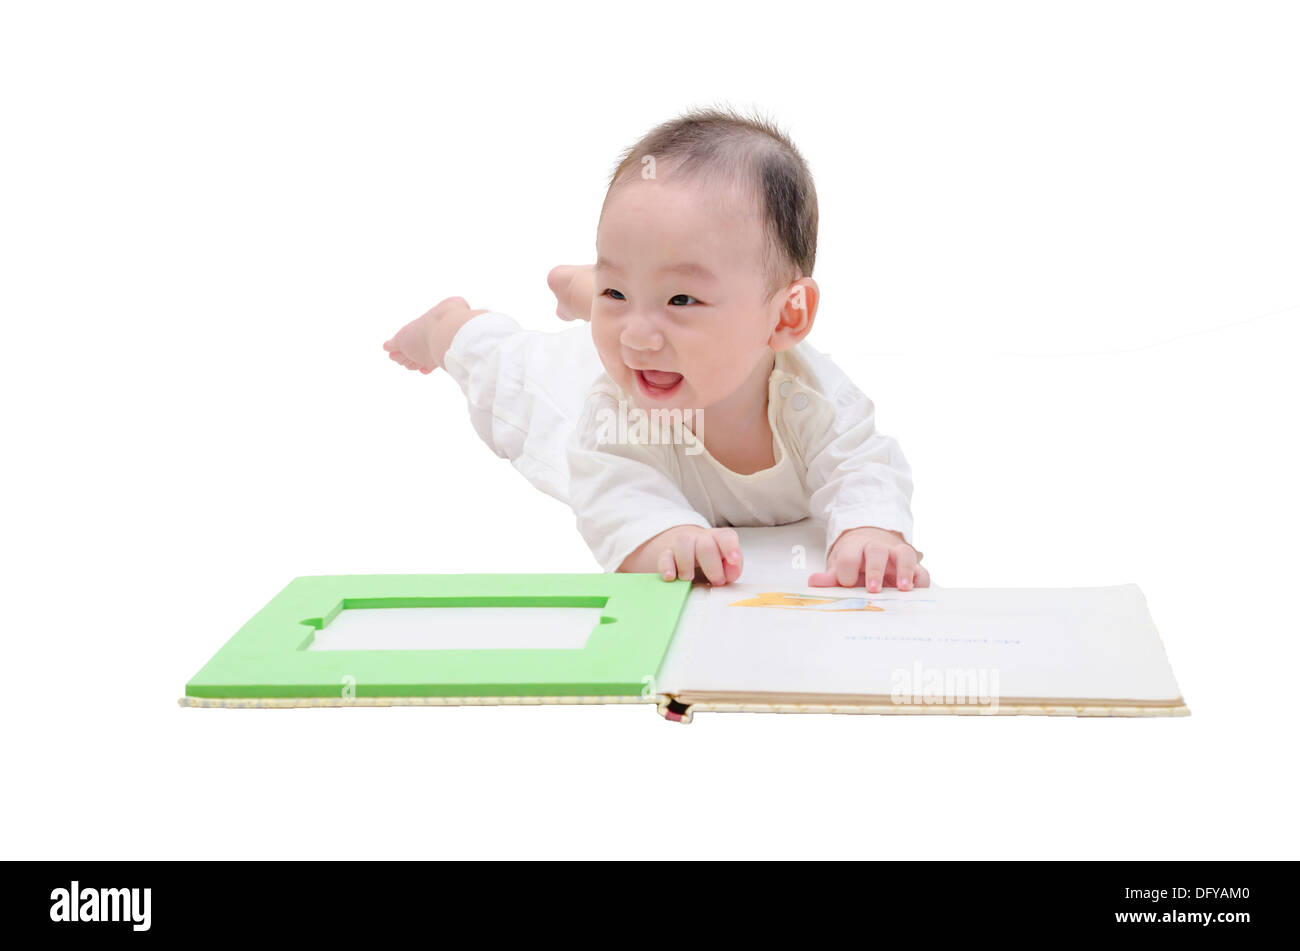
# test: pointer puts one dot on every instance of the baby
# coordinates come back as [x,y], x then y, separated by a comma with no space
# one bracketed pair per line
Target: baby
[701,406]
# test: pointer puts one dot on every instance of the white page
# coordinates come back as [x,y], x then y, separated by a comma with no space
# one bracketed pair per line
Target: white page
[1066,643]
[783,554]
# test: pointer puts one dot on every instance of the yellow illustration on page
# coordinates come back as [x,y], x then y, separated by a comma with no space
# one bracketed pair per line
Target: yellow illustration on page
[805,602]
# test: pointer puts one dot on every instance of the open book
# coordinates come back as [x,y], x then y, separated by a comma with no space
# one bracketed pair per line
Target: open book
[769,646]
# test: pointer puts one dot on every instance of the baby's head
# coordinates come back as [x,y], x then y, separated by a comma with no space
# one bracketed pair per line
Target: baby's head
[705,252]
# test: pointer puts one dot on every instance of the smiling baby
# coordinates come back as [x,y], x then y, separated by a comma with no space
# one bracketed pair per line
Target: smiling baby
[695,403]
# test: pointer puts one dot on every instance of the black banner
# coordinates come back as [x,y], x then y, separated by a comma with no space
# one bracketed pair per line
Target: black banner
[645,902]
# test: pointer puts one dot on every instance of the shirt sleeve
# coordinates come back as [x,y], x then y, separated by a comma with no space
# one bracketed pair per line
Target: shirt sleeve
[623,492]
[857,476]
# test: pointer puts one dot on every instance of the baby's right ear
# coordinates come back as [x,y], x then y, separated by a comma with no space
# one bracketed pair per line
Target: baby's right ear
[797,314]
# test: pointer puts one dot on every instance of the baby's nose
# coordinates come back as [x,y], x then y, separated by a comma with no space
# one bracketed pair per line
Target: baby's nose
[641,335]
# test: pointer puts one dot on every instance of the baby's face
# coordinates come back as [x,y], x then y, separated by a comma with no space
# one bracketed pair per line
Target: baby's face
[681,319]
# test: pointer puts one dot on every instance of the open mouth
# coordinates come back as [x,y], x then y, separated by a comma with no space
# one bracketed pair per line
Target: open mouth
[658,384]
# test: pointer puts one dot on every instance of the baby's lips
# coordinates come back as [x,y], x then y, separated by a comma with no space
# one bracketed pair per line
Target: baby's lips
[663,378]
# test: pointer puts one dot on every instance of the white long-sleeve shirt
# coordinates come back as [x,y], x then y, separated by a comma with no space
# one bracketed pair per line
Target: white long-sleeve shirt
[532,399]
[627,485]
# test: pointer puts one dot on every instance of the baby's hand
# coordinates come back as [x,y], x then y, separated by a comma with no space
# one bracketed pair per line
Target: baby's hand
[685,549]
[422,344]
[574,288]
[872,557]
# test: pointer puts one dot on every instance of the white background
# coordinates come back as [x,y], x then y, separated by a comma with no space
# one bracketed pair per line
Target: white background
[1059,248]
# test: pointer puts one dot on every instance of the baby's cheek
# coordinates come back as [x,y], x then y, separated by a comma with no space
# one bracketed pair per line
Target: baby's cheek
[601,335]
[607,348]
[724,371]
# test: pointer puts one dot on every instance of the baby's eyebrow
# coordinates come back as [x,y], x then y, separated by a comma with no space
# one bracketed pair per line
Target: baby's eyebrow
[689,267]
[685,267]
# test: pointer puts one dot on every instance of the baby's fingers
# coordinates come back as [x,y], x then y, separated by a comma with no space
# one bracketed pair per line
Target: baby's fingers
[409,364]
[709,557]
[846,564]
[683,551]
[904,557]
[877,560]
[667,565]
[733,562]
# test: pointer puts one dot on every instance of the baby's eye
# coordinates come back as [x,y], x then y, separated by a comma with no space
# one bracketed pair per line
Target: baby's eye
[610,292]
[681,300]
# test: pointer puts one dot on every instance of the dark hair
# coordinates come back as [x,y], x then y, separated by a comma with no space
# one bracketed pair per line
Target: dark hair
[749,151]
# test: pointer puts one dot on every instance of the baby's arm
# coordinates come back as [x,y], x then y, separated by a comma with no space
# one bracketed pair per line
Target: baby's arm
[631,511]
[862,487]
[574,288]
